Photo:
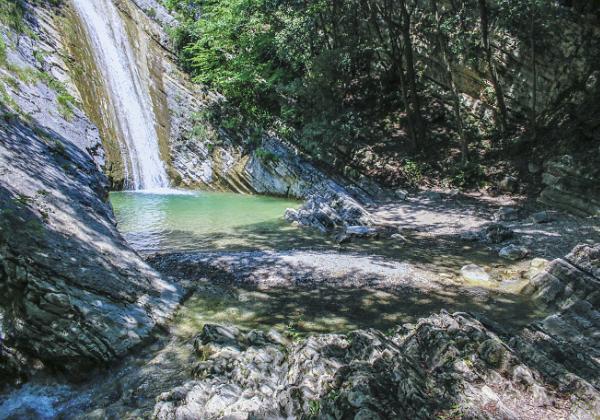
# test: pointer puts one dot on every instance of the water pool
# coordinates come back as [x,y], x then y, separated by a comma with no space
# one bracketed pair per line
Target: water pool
[183,221]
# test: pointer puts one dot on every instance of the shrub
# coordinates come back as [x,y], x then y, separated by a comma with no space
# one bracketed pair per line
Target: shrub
[266,156]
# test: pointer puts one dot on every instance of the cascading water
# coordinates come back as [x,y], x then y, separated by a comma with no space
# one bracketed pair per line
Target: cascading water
[128,94]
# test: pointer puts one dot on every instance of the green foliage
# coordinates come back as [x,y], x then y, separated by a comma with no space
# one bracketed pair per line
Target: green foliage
[331,75]
[39,56]
[7,100]
[314,408]
[293,332]
[413,172]
[470,175]
[12,14]
[266,156]
[2,51]
[274,63]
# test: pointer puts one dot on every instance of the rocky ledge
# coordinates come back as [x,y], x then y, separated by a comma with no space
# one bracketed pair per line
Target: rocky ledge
[571,185]
[444,366]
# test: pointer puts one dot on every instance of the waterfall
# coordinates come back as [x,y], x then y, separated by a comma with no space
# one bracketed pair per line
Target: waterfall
[128,93]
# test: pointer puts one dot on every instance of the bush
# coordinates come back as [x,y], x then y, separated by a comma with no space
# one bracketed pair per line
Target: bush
[413,173]
[2,51]
[266,156]
[468,176]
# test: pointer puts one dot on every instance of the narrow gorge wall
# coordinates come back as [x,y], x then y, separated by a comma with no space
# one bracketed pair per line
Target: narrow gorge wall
[73,295]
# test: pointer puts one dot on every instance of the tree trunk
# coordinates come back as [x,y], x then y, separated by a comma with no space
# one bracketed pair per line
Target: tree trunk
[533,122]
[396,55]
[411,78]
[464,143]
[502,120]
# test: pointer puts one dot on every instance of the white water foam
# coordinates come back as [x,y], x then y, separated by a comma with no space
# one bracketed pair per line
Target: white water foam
[127,91]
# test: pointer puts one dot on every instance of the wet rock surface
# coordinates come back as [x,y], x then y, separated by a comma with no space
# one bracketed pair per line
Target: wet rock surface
[445,365]
[513,252]
[474,272]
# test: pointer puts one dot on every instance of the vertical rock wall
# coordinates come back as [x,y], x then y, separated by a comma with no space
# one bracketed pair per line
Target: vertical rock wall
[72,293]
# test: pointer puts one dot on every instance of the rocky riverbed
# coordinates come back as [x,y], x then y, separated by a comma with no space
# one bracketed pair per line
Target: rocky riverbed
[443,364]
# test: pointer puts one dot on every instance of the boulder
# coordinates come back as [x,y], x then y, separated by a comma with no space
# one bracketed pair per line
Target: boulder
[569,279]
[402,194]
[352,232]
[536,266]
[330,212]
[432,195]
[509,184]
[506,214]
[544,216]
[572,185]
[496,233]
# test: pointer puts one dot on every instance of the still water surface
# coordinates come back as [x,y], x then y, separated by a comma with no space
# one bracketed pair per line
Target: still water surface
[180,221]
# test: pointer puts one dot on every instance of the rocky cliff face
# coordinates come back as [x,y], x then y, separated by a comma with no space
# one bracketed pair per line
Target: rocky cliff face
[72,293]
[572,186]
[174,98]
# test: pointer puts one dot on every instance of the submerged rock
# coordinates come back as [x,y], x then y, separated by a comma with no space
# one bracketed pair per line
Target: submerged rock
[496,233]
[473,272]
[470,236]
[537,265]
[513,252]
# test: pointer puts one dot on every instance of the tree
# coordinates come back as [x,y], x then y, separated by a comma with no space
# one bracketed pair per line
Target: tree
[502,119]
[456,101]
